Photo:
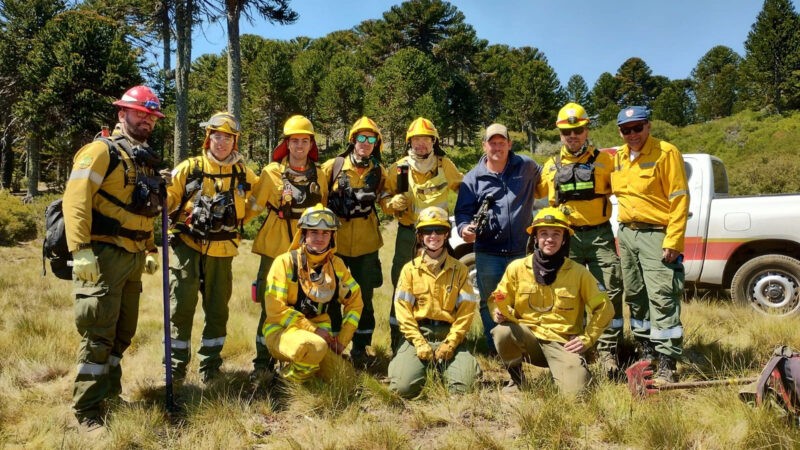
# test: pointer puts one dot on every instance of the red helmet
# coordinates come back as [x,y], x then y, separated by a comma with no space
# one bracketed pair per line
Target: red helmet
[141,98]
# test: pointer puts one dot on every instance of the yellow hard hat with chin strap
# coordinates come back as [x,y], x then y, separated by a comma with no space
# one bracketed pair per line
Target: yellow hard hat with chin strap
[432,216]
[223,122]
[298,124]
[572,115]
[422,127]
[550,217]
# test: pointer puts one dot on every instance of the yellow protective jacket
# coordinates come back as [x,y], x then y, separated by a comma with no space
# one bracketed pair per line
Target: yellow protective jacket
[446,297]
[214,180]
[422,197]
[81,196]
[580,212]
[554,312]
[282,291]
[361,235]
[273,238]
[653,189]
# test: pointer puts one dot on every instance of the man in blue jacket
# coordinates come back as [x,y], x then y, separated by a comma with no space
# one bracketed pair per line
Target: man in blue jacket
[506,181]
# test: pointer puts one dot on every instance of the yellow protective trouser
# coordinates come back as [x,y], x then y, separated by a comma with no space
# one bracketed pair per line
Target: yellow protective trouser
[303,350]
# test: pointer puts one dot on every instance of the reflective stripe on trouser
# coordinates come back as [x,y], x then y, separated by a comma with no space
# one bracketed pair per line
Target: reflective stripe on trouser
[303,350]
[653,290]
[263,360]
[106,314]
[404,244]
[596,249]
[184,285]
[516,343]
[407,373]
[366,270]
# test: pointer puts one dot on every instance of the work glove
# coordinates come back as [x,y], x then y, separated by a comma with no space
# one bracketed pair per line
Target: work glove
[424,351]
[166,176]
[151,263]
[399,202]
[444,352]
[84,265]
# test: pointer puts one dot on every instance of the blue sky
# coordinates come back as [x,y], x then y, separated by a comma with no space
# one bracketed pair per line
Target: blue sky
[578,37]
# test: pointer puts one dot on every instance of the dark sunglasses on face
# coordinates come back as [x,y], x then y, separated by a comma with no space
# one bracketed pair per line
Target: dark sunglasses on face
[441,231]
[362,138]
[633,129]
[568,131]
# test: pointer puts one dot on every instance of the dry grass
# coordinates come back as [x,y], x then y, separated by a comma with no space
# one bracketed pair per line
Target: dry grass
[356,411]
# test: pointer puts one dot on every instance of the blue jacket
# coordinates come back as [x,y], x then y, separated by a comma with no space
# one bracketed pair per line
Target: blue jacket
[512,210]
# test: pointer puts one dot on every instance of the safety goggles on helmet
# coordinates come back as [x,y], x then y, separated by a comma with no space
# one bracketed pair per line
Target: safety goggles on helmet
[319,219]
[363,138]
[220,120]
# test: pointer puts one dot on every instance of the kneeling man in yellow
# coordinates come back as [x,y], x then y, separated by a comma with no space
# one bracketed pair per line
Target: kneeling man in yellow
[539,306]
[435,305]
[301,284]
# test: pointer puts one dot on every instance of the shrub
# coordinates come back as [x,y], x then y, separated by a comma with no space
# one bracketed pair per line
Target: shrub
[17,220]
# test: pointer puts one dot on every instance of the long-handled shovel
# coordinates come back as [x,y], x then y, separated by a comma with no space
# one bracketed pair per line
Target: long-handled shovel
[641,383]
[170,402]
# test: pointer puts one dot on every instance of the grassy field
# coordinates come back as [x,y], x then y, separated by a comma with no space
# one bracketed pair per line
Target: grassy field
[38,343]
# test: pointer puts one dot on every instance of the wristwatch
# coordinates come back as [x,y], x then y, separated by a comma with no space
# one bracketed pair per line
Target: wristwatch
[84,246]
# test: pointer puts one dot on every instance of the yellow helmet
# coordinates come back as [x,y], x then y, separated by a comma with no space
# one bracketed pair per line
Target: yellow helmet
[318,217]
[422,127]
[363,124]
[550,217]
[298,124]
[432,216]
[224,122]
[572,115]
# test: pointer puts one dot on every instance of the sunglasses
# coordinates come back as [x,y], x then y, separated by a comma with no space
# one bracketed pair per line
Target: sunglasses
[441,231]
[220,120]
[633,129]
[370,139]
[576,131]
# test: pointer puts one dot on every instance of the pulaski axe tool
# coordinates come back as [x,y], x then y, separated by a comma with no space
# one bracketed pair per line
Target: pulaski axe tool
[641,383]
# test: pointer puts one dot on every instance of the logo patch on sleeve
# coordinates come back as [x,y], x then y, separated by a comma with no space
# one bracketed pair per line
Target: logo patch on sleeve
[85,162]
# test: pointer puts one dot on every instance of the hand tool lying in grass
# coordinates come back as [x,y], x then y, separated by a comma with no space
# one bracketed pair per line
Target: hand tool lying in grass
[641,383]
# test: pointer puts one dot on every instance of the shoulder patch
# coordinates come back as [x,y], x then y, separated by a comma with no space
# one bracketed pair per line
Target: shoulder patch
[85,162]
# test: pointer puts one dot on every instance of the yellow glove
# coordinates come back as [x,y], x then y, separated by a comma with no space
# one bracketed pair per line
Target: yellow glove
[445,351]
[84,265]
[151,263]
[424,351]
[399,202]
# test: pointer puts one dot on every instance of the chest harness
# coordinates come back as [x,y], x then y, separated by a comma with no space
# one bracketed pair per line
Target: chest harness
[576,181]
[348,202]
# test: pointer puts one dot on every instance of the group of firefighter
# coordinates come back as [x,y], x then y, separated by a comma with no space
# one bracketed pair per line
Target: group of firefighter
[549,290]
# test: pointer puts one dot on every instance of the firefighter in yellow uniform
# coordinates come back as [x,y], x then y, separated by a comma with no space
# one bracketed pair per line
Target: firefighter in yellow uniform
[435,306]
[288,185]
[539,306]
[112,198]
[302,285]
[649,180]
[424,177]
[207,199]
[578,182]
[356,179]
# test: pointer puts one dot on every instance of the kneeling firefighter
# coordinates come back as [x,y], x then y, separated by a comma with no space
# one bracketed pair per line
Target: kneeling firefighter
[301,285]
[207,199]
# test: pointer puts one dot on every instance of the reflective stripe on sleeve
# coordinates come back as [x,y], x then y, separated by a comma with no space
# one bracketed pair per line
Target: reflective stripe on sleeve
[352,318]
[86,174]
[677,193]
[269,329]
[405,296]
[465,297]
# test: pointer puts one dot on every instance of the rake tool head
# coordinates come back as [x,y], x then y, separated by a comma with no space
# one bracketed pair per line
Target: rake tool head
[640,381]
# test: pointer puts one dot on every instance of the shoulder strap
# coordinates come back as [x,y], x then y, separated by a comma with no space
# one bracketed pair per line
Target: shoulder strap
[114,157]
[338,163]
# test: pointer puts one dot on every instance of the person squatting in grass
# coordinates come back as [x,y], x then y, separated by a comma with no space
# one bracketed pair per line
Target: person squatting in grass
[287,186]
[356,179]
[112,198]
[302,285]
[539,307]
[578,182]
[207,200]
[430,177]
[435,306]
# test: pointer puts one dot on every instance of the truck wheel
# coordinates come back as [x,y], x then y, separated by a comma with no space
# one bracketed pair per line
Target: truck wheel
[472,272]
[770,284]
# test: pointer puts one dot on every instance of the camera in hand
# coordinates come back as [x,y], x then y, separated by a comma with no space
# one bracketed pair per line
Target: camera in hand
[481,219]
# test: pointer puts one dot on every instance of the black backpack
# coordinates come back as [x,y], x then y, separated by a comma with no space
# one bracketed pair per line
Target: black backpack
[54,246]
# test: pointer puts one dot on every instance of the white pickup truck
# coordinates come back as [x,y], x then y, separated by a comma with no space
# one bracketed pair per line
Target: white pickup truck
[748,244]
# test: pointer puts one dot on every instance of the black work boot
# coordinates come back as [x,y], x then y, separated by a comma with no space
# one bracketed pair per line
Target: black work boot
[517,380]
[667,370]
[645,350]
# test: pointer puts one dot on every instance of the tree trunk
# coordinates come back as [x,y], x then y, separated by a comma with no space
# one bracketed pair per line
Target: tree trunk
[7,164]
[166,39]
[34,147]
[234,61]
[183,31]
